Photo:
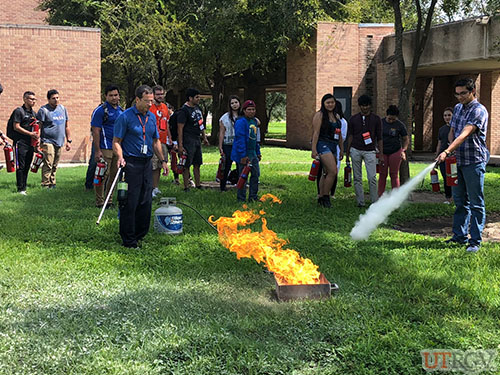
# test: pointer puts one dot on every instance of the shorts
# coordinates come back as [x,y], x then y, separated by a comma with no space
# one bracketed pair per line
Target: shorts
[193,149]
[157,162]
[324,147]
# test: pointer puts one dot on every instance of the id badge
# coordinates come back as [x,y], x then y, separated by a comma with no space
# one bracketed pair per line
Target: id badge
[144,149]
[200,123]
[367,138]
[337,134]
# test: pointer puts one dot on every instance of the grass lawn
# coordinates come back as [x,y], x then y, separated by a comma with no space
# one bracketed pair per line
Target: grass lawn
[276,130]
[73,301]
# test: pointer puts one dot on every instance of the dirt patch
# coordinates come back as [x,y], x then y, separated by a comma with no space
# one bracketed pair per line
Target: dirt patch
[441,226]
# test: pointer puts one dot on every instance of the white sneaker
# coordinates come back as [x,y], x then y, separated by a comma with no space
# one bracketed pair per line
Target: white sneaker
[156,192]
[23,192]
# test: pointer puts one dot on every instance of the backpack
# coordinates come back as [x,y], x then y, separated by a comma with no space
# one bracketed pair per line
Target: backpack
[11,133]
[172,123]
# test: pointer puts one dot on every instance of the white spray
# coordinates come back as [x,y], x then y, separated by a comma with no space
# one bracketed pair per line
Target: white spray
[387,203]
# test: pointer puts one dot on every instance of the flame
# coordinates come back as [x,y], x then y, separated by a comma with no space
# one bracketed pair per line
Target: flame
[265,246]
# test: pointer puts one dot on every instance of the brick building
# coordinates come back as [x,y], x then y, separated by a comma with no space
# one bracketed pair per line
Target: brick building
[38,57]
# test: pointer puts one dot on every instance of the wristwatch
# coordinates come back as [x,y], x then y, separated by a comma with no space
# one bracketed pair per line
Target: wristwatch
[164,161]
[69,140]
[446,152]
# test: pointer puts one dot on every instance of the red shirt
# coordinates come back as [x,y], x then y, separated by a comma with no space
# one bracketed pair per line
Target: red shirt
[162,117]
[365,132]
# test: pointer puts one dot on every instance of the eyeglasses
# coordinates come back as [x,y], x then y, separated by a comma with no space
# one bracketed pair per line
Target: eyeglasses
[463,93]
[34,99]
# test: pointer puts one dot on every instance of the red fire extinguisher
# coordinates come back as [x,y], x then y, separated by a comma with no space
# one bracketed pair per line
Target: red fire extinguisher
[173,161]
[451,170]
[35,127]
[100,170]
[313,173]
[348,175]
[243,176]
[222,166]
[182,162]
[37,161]
[9,157]
[435,181]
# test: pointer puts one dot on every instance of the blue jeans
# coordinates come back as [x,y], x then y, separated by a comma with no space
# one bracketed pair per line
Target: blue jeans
[254,181]
[89,177]
[469,201]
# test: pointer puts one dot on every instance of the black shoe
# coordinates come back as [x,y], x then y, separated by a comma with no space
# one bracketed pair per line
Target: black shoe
[452,241]
[131,246]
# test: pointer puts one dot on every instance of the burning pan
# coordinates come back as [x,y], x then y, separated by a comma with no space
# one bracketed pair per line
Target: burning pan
[287,292]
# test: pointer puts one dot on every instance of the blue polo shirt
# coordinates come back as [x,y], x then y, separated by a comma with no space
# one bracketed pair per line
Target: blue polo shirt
[107,126]
[129,128]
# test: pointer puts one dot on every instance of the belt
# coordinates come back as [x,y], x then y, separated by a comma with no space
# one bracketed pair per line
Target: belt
[138,159]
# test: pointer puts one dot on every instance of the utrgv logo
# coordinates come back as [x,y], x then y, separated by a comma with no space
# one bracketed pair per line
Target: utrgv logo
[467,362]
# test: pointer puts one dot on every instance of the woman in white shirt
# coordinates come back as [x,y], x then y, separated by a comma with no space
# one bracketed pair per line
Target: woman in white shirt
[226,135]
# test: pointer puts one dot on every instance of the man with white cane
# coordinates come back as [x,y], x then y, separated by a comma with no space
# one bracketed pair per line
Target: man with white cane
[135,138]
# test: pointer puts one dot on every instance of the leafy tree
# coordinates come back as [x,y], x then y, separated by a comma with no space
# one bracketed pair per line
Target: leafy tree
[276,106]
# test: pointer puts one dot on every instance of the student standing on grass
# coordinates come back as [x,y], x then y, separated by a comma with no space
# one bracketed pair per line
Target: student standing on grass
[246,149]
[364,142]
[442,145]
[393,132]
[226,135]
[468,138]
[102,124]
[327,135]
[20,131]
[135,139]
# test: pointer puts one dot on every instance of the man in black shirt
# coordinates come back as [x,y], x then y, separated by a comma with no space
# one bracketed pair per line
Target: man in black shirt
[189,126]
[21,123]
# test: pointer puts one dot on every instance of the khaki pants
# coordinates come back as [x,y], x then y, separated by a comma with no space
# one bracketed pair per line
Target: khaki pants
[112,160]
[51,155]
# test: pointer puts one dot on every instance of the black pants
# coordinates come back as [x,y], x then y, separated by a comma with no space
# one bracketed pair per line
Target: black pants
[227,152]
[135,213]
[89,177]
[24,157]
[447,189]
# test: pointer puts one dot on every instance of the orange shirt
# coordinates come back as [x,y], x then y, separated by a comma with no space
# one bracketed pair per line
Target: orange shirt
[162,117]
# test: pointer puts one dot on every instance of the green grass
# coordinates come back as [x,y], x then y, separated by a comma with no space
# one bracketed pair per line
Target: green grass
[276,130]
[73,301]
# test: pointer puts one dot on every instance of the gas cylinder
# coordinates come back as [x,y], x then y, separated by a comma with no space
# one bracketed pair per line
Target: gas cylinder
[168,217]
[435,181]
[220,171]
[348,175]
[243,176]
[451,170]
[37,161]
[9,157]
[313,173]
[100,171]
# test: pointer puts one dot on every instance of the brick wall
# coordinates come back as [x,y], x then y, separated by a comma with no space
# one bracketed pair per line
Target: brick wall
[39,58]
[21,12]
[492,80]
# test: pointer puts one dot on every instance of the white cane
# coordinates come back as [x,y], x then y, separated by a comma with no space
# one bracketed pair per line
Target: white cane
[109,195]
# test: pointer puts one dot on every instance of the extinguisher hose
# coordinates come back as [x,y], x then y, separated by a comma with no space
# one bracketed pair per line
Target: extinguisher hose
[195,210]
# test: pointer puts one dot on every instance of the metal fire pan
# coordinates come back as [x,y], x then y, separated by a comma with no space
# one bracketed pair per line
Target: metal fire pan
[288,292]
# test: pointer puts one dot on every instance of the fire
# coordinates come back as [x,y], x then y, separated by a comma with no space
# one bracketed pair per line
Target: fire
[265,246]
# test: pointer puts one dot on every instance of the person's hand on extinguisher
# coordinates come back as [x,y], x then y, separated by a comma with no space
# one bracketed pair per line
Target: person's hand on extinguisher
[259,157]
[244,160]
[314,154]
[441,157]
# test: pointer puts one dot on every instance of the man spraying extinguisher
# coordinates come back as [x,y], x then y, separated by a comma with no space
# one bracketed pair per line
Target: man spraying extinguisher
[468,140]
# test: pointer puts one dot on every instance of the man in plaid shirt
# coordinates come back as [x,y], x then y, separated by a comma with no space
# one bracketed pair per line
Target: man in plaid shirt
[468,139]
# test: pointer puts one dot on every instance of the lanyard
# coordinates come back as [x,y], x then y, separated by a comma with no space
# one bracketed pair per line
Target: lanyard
[143,127]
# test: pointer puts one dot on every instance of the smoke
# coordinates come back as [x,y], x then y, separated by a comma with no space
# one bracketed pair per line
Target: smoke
[387,203]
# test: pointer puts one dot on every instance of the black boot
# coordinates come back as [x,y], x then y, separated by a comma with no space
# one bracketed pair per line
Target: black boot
[326,201]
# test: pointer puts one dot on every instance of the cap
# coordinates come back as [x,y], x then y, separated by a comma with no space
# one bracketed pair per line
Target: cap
[248,103]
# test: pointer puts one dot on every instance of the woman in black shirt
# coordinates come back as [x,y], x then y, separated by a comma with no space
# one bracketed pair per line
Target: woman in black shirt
[442,145]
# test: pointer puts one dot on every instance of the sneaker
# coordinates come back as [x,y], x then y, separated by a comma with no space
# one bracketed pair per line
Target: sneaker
[472,248]
[452,241]
[23,192]
[446,202]
[191,182]
[156,192]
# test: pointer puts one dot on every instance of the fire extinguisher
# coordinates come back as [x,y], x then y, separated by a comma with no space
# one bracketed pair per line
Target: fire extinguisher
[222,166]
[37,161]
[435,181]
[451,170]
[173,161]
[100,171]
[348,175]
[182,162]
[122,191]
[9,157]
[35,127]
[313,173]
[243,176]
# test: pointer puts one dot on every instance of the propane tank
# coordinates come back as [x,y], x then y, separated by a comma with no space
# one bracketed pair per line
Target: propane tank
[451,170]
[35,127]
[100,171]
[435,181]
[9,157]
[313,173]
[182,162]
[348,175]
[243,176]
[222,166]
[168,217]
[37,161]
[173,161]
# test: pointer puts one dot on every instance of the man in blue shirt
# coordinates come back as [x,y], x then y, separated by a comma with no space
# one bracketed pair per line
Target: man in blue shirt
[135,139]
[246,149]
[54,128]
[468,138]
[102,123]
